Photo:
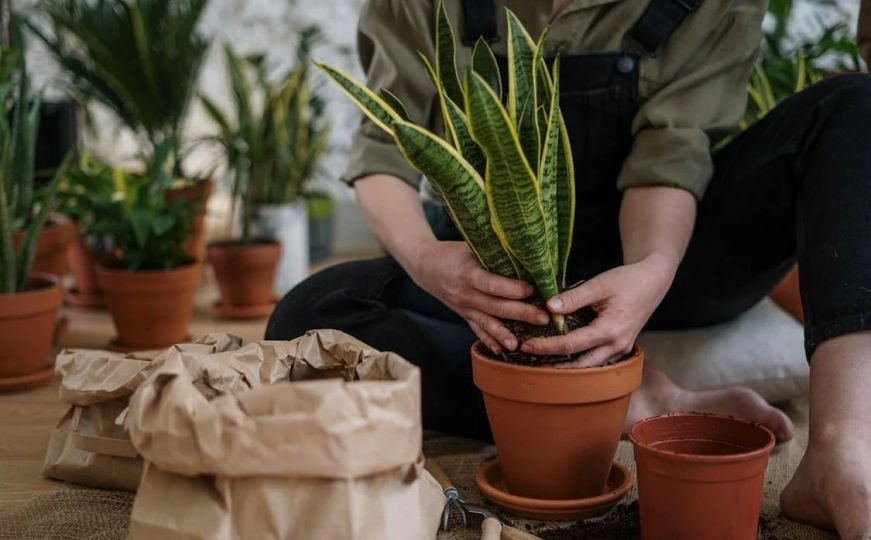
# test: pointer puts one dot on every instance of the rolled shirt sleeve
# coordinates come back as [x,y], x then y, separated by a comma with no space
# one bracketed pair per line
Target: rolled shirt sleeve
[702,99]
[389,35]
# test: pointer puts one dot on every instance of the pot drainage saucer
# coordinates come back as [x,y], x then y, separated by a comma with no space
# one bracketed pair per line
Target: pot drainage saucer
[226,311]
[30,380]
[491,483]
[85,300]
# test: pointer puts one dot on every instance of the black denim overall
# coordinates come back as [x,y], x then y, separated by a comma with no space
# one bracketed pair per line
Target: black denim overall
[795,186]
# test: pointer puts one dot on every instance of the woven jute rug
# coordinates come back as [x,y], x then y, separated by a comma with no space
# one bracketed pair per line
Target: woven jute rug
[77,513]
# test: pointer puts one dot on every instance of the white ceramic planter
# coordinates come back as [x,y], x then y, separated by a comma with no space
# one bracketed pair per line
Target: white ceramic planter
[287,224]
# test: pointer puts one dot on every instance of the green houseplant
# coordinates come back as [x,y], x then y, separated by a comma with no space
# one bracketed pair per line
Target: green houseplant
[505,174]
[141,59]
[273,147]
[28,301]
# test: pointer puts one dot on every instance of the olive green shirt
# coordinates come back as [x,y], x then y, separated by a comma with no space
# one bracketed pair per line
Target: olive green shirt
[693,90]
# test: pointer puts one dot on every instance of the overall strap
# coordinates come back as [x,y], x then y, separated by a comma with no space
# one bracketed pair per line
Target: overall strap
[480,21]
[660,20]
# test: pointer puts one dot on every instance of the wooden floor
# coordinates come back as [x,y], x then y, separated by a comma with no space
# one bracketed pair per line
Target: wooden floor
[27,417]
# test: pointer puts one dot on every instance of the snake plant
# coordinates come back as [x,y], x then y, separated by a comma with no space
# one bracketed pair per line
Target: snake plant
[504,171]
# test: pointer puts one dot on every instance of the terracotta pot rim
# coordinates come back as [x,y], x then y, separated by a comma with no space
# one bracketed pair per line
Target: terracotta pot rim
[637,356]
[669,455]
[240,245]
[46,281]
[102,267]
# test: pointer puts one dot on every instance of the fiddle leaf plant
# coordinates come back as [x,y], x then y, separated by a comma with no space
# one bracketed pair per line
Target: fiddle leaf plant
[503,171]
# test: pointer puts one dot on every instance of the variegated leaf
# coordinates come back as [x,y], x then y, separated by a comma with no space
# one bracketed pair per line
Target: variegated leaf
[522,105]
[484,64]
[395,103]
[368,101]
[446,60]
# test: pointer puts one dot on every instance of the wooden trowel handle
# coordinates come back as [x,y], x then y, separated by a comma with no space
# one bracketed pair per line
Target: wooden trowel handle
[439,474]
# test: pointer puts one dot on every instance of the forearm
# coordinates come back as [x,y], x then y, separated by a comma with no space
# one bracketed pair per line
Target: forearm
[393,212]
[657,222]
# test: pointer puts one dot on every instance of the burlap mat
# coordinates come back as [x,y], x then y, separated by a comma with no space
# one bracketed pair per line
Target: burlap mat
[103,515]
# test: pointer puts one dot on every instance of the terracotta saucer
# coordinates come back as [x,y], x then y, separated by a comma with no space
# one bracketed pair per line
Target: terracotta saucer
[85,300]
[27,381]
[226,311]
[492,485]
[117,346]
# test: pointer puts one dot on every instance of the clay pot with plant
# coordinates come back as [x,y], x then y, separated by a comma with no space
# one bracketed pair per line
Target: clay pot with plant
[506,177]
[29,302]
[272,146]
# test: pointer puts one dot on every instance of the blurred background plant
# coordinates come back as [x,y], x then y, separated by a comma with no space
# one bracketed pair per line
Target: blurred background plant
[279,133]
[790,60]
[139,58]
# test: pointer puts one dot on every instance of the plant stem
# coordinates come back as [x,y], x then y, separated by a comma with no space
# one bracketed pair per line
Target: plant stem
[560,322]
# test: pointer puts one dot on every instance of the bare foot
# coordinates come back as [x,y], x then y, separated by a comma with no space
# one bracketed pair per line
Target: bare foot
[659,395]
[832,487]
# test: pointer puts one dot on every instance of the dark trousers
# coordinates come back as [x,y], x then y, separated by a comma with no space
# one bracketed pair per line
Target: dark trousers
[795,186]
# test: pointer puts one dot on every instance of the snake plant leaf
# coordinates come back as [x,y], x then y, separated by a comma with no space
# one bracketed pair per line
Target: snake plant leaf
[513,194]
[543,87]
[395,103]
[372,106]
[456,124]
[484,64]
[462,191]
[522,106]
[446,60]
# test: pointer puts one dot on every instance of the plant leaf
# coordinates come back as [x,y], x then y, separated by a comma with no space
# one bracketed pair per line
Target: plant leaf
[522,106]
[446,60]
[513,194]
[372,106]
[462,191]
[484,64]
[395,103]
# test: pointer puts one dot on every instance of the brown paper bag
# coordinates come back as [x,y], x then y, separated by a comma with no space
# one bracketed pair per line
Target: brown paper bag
[89,445]
[317,438]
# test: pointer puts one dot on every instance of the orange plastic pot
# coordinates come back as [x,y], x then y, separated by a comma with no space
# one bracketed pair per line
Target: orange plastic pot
[27,327]
[556,429]
[51,245]
[151,309]
[245,271]
[700,476]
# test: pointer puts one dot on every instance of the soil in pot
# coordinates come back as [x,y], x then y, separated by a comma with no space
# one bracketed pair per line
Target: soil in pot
[245,272]
[152,308]
[556,429]
[27,328]
[51,245]
[700,476]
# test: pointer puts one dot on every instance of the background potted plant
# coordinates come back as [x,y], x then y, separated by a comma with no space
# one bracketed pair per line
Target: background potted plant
[505,174]
[141,59]
[28,301]
[149,279]
[321,225]
[277,146]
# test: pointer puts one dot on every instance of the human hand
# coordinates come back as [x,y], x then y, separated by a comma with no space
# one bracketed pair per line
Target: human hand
[451,272]
[624,299]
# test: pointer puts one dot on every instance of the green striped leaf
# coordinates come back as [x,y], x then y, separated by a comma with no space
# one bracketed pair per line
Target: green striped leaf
[372,106]
[484,64]
[565,196]
[513,193]
[462,191]
[395,103]
[456,125]
[522,106]
[446,60]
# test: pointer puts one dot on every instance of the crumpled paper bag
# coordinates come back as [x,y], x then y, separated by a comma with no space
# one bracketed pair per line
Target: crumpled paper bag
[316,438]
[89,446]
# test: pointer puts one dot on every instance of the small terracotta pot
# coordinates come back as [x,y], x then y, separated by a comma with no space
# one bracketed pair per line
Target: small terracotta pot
[245,271]
[700,476]
[27,328]
[82,261]
[151,309]
[788,295]
[51,245]
[197,194]
[556,429]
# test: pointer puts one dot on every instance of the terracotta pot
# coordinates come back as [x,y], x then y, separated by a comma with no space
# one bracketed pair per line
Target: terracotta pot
[245,271]
[788,296]
[51,245]
[27,327]
[197,194]
[82,261]
[700,476]
[556,429]
[151,309]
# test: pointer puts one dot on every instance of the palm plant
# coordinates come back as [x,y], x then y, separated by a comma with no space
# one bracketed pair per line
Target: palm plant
[139,58]
[273,150]
[20,207]
[504,172]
